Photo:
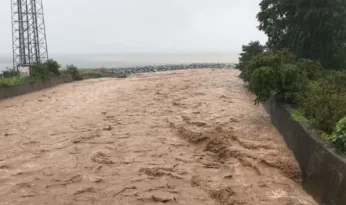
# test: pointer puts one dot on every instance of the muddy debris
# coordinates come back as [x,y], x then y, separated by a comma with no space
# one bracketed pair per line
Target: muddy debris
[108,128]
[101,158]
[85,190]
[163,197]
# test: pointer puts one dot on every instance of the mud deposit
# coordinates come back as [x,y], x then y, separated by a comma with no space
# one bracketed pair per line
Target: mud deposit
[190,137]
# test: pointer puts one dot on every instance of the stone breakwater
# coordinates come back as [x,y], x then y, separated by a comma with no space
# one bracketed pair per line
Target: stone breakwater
[124,72]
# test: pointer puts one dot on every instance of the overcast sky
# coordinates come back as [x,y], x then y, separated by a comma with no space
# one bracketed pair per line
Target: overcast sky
[123,26]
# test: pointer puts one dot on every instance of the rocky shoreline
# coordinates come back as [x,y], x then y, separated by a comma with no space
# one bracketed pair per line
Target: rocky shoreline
[126,71]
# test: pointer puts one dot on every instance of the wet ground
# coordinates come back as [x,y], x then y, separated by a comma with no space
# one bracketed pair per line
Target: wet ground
[183,137]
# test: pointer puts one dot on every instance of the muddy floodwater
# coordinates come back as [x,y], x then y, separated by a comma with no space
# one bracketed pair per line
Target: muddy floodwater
[191,137]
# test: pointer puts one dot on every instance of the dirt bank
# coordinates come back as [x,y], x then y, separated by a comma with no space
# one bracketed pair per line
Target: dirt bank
[183,137]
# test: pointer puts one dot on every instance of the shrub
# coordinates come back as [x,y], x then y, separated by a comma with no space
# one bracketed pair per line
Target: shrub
[39,70]
[323,105]
[291,81]
[313,69]
[286,82]
[262,83]
[338,137]
[50,68]
[74,72]
[274,60]
[336,80]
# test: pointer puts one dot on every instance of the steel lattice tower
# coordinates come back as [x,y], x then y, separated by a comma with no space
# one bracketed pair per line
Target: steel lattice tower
[29,40]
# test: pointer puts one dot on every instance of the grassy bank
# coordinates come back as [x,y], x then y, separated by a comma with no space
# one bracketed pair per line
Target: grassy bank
[41,71]
[10,81]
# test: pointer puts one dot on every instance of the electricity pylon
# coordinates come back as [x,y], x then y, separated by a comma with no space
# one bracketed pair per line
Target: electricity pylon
[29,41]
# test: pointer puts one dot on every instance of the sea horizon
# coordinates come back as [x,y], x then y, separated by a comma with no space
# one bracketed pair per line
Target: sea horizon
[118,60]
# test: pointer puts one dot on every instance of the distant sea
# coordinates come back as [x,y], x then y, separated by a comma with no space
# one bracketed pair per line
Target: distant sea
[133,59]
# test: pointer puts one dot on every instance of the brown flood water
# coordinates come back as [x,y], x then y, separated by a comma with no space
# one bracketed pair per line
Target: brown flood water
[191,137]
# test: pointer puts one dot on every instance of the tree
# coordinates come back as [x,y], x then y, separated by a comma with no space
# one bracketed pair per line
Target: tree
[251,50]
[313,29]
[267,59]
[50,68]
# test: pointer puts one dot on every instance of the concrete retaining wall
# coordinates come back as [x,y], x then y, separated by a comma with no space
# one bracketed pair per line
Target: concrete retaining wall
[21,89]
[323,170]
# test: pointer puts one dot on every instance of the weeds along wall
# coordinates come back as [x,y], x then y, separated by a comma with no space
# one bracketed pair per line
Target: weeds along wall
[21,89]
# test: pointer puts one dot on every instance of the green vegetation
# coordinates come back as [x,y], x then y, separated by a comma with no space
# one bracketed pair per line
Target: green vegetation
[40,71]
[301,35]
[249,51]
[74,72]
[52,69]
[48,69]
[298,116]
[339,135]
[276,74]
[9,81]
[309,29]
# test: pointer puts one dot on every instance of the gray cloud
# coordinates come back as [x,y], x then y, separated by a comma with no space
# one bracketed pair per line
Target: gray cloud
[121,26]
